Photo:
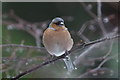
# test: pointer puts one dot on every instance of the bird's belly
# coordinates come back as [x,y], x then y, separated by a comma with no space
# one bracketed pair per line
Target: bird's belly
[56,49]
[58,42]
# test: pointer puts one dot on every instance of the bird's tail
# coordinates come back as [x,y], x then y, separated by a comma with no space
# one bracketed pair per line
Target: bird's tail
[69,64]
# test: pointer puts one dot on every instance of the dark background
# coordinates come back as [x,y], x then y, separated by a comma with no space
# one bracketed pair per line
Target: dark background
[40,11]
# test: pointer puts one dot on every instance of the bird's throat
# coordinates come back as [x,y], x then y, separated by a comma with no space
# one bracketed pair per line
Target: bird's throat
[57,28]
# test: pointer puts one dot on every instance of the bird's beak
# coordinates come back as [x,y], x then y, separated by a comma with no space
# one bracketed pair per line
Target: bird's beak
[61,23]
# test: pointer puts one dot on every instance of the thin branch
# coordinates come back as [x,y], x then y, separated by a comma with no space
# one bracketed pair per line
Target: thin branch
[81,57]
[99,9]
[84,27]
[39,66]
[22,46]
[97,17]
[89,11]
[100,22]
[50,61]
[84,38]
[80,32]
[105,60]
[42,48]
[105,56]
[34,29]
[109,52]
[97,68]
[101,40]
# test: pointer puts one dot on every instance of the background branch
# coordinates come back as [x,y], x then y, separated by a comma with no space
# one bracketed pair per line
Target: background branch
[81,45]
[97,69]
[52,60]
[97,31]
[100,22]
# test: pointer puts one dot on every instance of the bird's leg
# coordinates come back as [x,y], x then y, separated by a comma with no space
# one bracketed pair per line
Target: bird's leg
[66,53]
[52,57]
[69,64]
[68,56]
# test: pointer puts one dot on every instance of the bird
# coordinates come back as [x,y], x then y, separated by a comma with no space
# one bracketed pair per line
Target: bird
[57,41]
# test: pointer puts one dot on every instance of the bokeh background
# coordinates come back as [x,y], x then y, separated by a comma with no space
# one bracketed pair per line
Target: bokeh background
[24,23]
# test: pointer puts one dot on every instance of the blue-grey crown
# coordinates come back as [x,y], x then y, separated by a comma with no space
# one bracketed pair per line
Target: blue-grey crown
[58,21]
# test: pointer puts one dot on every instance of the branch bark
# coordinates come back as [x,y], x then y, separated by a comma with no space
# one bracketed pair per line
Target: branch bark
[52,60]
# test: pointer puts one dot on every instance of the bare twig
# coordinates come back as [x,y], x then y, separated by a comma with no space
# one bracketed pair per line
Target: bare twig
[37,34]
[111,45]
[100,40]
[50,61]
[105,60]
[81,57]
[42,48]
[97,17]
[89,11]
[100,22]
[97,68]
[83,27]
[39,66]
[34,29]
[22,46]
[80,32]
[105,56]
[84,38]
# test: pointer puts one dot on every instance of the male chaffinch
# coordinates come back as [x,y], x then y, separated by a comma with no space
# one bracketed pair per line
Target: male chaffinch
[57,40]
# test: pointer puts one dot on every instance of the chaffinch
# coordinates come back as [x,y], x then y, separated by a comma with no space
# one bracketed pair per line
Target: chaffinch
[57,40]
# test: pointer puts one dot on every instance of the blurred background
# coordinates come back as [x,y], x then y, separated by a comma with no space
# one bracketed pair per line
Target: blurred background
[23,23]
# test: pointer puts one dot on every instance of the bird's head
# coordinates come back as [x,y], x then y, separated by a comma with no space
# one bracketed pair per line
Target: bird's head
[57,23]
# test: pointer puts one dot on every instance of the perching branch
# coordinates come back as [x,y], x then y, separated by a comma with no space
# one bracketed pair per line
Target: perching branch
[98,41]
[39,66]
[32,28]
[54,59]
[41,48]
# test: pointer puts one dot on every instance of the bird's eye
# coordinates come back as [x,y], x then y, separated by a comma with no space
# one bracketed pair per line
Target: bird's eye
[60,23]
